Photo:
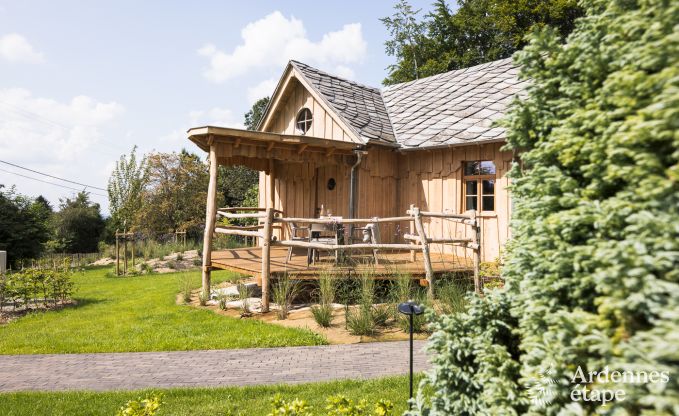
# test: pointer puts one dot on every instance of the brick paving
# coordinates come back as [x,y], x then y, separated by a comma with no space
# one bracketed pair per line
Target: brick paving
[136,370]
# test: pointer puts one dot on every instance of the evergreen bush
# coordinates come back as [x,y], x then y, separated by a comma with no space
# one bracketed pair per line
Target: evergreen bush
[592,273]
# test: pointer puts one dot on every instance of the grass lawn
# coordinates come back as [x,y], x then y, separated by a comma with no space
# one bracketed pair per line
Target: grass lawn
[252,401]
[139,314]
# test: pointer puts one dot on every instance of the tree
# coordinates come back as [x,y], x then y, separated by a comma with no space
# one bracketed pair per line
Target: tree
[254,116]
[236,181]
[125,186]
[78,225]
[174,195]
[407,41]
[23,225]
[478,31]
[592,273]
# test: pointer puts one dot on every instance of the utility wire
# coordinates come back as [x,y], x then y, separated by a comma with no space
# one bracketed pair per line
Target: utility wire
[52,176]
[50,183]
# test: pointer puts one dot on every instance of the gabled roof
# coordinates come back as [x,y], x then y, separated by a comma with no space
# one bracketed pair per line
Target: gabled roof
[456,107]
[453,108]
[361,107]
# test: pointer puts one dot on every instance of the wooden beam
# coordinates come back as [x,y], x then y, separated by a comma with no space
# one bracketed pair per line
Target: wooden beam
[237,144]
[332,247]
[476,237]
[270,146]
[243,233]
[210,219]
[330,152]
[302,148]
[271,197]
[266,259]
[429,271]
[343,220]
[411,224]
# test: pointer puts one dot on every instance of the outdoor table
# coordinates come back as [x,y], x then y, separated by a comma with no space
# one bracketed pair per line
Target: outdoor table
[333,232]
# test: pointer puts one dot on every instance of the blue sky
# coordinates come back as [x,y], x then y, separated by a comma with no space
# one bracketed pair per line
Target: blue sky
[82,82]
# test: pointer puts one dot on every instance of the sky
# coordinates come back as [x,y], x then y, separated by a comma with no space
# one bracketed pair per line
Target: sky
[82,82]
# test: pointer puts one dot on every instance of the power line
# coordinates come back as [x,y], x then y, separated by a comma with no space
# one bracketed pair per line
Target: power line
[50,183]
[52,176]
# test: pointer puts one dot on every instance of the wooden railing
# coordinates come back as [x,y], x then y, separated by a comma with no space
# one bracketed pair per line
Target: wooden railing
[417,237]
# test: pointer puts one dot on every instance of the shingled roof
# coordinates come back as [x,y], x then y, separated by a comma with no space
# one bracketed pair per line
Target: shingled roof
[456,107]
[360,106]
[453,108]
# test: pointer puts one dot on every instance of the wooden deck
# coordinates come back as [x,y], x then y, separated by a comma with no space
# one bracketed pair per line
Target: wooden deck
[249,261]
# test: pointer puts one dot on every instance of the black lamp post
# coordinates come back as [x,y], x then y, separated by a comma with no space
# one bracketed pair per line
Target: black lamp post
[411,309]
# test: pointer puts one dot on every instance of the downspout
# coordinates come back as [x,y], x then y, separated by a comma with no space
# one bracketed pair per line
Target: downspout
[352,189]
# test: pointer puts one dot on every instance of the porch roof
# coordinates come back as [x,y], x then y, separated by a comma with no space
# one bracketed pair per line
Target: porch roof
[226,135]
[256,149]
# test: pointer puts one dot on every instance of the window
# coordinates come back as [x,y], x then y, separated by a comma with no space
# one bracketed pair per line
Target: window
[479,185]
[304,120]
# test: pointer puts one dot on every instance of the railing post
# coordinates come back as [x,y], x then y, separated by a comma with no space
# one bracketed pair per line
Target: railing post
[476,240]
[210,219]
[413,255]
[429,271]
[266,258]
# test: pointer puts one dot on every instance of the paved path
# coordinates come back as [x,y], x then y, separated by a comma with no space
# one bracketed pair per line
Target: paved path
[125,371]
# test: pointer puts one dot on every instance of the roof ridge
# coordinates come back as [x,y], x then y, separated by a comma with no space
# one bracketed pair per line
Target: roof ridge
[295,63]
[443,74]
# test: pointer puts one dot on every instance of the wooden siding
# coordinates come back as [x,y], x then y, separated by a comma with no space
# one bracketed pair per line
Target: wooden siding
[324,124]
[432,180]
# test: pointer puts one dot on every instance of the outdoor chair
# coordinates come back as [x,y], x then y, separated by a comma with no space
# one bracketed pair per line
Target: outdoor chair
[370,234]
[298,233]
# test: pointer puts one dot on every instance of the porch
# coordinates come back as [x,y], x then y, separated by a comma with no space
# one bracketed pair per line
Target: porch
[249,261]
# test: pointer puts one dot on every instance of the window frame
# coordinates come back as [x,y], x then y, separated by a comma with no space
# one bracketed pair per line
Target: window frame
[479,186]
[309,120]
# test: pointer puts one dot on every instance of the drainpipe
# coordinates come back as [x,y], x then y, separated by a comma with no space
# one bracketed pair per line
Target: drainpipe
[352,189]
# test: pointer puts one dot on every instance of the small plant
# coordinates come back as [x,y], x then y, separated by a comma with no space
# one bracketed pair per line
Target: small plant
[145,268]
[172,264]
[284,293]
[243,295]
[326,289]
[296,407]
[451,296]
[180,256]
[222,299]
[381,314]
[197,262]
[141,407]
[361,320]
[185,286]
[204,297]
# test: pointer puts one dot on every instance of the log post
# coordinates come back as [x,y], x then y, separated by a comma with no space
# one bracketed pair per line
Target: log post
[117,254]
[210,219]
[132,240]
[271,187]
[476,241]
[125,251]
[266,258]
[429,271]
[413,255]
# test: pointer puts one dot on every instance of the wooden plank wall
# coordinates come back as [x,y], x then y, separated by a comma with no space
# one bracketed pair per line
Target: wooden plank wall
[378,190]
[432,180]
[297,97]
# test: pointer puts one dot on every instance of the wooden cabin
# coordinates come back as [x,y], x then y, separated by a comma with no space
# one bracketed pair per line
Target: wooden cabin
[361,152]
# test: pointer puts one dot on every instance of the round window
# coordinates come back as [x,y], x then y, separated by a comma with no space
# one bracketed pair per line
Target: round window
[304,120]
[331,184]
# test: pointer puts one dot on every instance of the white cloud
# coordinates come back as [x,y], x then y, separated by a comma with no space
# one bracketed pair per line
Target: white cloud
[261,90]
[15,48]
[44,129]
[216,116]
[275,39]
[220,117]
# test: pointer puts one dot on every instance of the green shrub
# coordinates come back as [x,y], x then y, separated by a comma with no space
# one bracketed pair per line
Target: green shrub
[37,287]
[203,297]
[592,273]
[336,406]
[451,296]
[141,407]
